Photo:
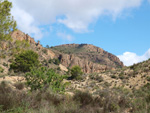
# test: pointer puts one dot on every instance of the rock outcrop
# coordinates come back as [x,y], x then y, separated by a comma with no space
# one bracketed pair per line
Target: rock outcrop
[19,35]
[86,65]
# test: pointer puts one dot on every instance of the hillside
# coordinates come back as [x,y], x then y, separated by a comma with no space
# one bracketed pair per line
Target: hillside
[19,42]
[88,57]
[103,88]
[131,78]
[71,78]
[93,60]
[88,54]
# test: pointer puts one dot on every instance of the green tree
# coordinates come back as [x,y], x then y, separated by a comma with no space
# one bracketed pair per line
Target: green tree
[24,61]
[41,77]
[7,23]
[76,72]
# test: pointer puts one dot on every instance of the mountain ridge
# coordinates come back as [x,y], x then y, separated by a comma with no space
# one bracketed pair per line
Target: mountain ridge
[89,57]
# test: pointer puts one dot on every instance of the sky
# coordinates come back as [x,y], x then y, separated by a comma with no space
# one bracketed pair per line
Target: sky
[121,27]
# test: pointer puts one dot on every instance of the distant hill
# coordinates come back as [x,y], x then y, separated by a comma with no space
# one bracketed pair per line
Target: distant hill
[91,53]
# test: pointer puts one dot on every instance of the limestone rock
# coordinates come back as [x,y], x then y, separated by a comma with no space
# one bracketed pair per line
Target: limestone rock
[19,35]
[87,66]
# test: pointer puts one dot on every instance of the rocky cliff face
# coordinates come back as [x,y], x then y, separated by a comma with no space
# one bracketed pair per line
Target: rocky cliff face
[19,35]
[86,65]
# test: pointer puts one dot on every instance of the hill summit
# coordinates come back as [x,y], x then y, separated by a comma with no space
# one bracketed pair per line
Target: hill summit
[89,57]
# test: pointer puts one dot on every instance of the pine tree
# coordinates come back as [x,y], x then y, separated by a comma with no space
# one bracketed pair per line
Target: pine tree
[7,23]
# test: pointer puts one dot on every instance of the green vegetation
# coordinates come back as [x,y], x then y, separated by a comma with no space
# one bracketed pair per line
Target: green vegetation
[43,77]
[25,61]
[47,94]
[95,76]
[70,50]
[23,44]
[115,100]
[54,61]
[7,24]
[1,70]
[76,72]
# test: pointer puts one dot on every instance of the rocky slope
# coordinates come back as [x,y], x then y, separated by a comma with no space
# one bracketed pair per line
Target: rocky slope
[90,58]
[130,78]
[21,41]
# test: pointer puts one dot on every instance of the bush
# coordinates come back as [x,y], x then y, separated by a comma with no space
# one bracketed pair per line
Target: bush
[19,85]
[76,72]
[55,61]
[113,76]
[1,70]
[24,61]
[85,98]
[42,77]
[9,98]
[96,77]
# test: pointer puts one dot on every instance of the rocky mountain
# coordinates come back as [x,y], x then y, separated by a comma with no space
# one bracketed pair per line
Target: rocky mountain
[89,57]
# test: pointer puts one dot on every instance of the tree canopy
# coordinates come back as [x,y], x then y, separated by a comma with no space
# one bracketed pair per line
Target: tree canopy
[25,61]
[7,23]
[76,72]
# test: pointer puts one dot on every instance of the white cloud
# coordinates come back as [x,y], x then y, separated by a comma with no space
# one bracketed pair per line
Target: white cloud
[65,36]
[26,22]
[129,58]
[77,14]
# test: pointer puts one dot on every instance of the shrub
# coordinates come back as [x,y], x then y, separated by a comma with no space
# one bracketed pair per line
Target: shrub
[24,61]
[42,77]
[76,72]
[113,76]
[1,70]
[45,51]
[84,98]
[19,85]
[5,64]
[148,78]
[96,77]
[9,98]
[55,61]
[22,44]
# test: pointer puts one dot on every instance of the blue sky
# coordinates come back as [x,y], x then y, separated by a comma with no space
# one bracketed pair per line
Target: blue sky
[119,27]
